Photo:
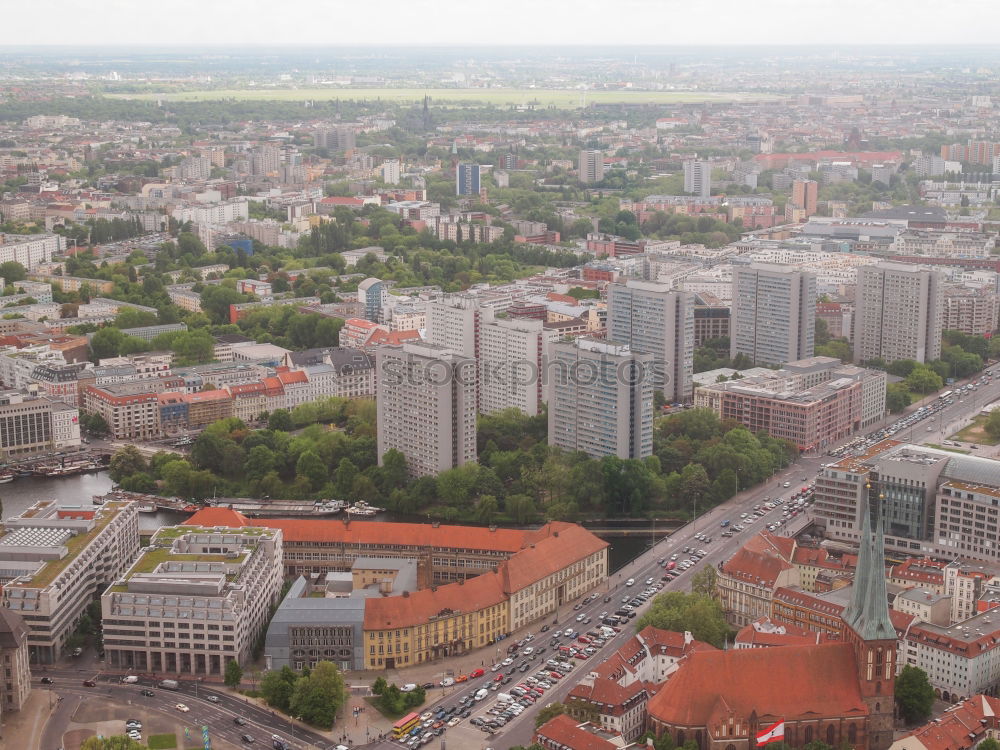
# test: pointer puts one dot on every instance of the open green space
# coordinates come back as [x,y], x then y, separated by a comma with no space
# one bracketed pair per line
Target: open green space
[948,448]
[374,702]
[162,741]
[539,97]
[975,432]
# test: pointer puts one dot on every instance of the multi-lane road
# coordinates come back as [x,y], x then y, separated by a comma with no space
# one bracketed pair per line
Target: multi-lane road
[207,707]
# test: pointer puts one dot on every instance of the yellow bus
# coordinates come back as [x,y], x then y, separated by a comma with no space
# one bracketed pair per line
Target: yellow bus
[405,725]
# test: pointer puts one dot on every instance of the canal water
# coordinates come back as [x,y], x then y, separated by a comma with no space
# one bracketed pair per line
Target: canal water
[19,495]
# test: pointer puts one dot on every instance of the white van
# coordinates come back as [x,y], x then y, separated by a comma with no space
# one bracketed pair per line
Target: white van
[408,688]
[130,679]
[630,582]
[504,698]
[481,693]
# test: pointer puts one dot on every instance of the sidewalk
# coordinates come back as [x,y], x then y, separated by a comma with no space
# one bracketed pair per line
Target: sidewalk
[24,728]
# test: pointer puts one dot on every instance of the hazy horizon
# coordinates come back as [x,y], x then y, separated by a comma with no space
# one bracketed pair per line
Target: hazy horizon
[417,23]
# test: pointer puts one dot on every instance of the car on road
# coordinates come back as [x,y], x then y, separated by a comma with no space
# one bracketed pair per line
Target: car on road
[476,673]
[448,681]
[147,692]
[465,677]
[182,708]
[212,698]
[454,721]
[239,721]
[630,582]
[649,581]
[46,680]
[134,735]
[89,683]
[247,738]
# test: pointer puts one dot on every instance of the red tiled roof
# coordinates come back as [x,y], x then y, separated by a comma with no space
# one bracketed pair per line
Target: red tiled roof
[563,548]
[772,682]
[762,559]
[567,733]
[290,378]
[420,606]
[224,517]
[203,396]
[958,728]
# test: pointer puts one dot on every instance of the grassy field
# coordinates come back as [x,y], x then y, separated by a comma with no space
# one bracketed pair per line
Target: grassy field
[161,741]
[975,433]
[540,97]
[947,448]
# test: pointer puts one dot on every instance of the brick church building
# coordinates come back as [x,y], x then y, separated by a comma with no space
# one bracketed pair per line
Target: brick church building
[836,692]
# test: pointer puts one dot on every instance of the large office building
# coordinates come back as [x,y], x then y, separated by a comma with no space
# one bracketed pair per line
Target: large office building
[813,403]
[54,559]
[655,319]
[196,599]
[600,398]
[30,425]
[899,313]
[936,503]
[468,179]
[698,178]
[805,194]
[774,313]
[512,357]
[590,166]
[426,397]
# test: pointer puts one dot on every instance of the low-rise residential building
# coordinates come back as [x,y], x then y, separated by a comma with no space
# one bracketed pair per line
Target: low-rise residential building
[961,727]
[55,559]
[206,407]
[925,606]
[195,600]
[131,410]
[335,371]
[747,580]
[566,733]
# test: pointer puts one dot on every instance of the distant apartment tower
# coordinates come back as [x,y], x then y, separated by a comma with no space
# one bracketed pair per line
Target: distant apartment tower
[698,178]
[655,319]
[774,313]
[600,399]
[455,321]
[467,179]
[340,138]
[372,294]
[805,194]
[512,355]
[591,166]
[426,402]
[265,160]
[899,312]
[391,171]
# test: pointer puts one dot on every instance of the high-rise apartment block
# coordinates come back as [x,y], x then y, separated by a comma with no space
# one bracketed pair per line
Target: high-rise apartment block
[264,160]
[426,397]
[698,178]
[591,166]
[467,179]
[340,138]
[54,560]
[391,171]
[512,358]
[197,599]
[372,294]
[899,312]
[805,194]
[774,313]
[600,399]
[655,319]
[455,321]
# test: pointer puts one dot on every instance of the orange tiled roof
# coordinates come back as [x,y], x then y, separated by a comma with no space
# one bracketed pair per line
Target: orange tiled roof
[440,601]
[203,396]
[772,682]
[567,733]
[563,548]
[211,517]
[959,728]
[404,534]
[290,378]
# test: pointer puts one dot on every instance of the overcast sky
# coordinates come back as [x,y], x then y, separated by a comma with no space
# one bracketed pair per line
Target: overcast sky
[465,22]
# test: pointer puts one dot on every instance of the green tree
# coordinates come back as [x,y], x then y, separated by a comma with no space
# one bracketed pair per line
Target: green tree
[117,742]
[897,397]
[681,612]
[922,379]
[393,471]
[704,582]
[126,461]
[914,694]
[318,696]
[234,674]
[988,744]
[276,688]
[106,343]
[379,686]
[312,468]
[280,419]
[12,271]
[548,712]
[992,425]
[487,509]
[343,478]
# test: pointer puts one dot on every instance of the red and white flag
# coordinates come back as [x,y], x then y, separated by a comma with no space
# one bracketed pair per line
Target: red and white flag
[774,733]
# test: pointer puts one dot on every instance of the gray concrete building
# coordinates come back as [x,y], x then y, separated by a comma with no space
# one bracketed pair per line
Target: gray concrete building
[590,167]
[899,313]
[426,399]
[600,397]
[774,313]
[652,318]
